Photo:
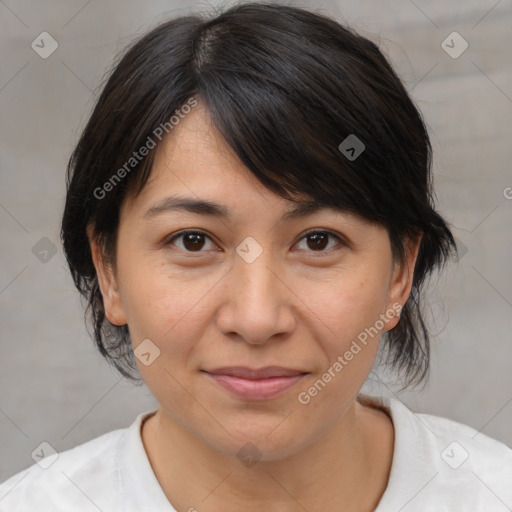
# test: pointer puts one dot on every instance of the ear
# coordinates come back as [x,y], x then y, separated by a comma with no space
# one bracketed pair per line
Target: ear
[112,302]
[401,280]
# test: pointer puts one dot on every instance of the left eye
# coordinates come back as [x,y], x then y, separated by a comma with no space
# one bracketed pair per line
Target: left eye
[318,240]
[194,241]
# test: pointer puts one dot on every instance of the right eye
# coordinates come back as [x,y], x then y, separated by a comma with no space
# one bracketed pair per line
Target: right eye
[191,240]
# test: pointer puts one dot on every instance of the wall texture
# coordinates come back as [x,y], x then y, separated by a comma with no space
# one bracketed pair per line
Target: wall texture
[53,385]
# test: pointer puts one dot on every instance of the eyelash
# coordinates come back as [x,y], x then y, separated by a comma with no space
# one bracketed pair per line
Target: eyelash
[180,234]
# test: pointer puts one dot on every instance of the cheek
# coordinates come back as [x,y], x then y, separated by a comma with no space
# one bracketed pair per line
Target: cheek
[349,309]
[347,314]
[169,309]
[345,306]
[166,305]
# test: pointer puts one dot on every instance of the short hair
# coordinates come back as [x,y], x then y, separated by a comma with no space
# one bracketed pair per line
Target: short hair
[284,86]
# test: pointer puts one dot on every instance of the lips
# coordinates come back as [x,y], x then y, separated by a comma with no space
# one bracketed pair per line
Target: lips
[256,384]
[261,373]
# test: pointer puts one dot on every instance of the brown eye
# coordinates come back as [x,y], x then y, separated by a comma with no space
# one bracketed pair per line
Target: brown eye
[317,241]
[191,241]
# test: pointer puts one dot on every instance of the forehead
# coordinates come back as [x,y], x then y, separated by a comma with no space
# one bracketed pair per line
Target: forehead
[195,152]
[194,160]
[196,171]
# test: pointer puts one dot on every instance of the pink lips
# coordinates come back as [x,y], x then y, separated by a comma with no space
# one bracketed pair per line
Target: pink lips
[252,384]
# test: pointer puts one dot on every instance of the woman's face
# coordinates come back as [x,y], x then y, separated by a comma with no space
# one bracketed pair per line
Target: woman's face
[247,289]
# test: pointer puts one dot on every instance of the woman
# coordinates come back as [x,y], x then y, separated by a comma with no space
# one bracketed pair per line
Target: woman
[249,214]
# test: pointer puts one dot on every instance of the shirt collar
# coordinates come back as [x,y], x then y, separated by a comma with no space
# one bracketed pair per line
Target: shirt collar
[409,452]
[137,478]
[411,461]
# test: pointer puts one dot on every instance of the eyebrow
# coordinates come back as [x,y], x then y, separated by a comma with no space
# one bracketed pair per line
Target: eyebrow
[212,209]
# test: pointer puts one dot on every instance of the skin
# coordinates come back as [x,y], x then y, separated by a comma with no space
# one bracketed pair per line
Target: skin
[293,306]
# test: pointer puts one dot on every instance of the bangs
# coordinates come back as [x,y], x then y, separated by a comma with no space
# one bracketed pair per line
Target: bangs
[294,94]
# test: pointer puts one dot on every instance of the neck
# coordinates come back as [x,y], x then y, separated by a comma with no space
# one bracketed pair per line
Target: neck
[349,464]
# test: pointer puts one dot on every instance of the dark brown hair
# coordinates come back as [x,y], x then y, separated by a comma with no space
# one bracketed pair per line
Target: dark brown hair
[285,86]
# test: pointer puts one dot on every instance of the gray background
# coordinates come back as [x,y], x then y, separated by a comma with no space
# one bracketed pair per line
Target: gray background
[53,385]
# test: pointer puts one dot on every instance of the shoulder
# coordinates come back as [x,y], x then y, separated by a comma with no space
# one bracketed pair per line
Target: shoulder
[476,470]
[75,479]
[465,441]
[438,462]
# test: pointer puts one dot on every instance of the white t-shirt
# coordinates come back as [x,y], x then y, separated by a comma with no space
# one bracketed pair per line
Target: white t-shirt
[438,465]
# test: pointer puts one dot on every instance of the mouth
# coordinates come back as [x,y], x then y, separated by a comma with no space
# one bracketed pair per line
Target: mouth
[256,384]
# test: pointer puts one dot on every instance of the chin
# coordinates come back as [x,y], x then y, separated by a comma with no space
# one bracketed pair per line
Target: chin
[252,440]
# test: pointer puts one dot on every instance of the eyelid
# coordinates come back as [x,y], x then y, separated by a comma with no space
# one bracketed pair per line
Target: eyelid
[340,239]
[170,239]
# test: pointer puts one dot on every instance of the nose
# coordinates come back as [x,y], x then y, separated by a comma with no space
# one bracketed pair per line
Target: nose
[258,302]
